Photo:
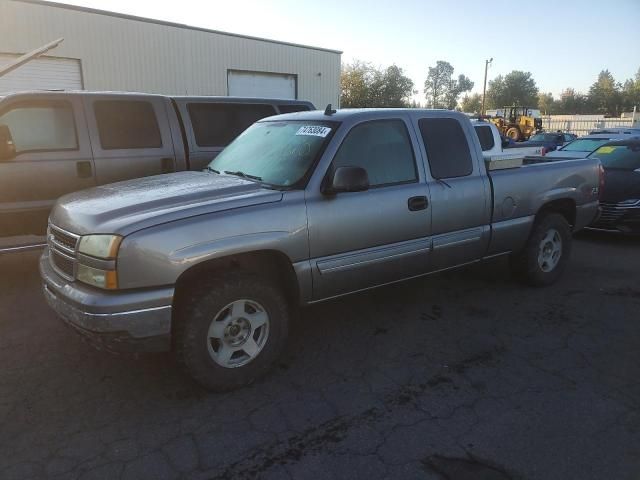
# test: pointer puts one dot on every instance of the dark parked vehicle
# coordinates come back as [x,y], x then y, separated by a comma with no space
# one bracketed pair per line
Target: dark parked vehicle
[582,146]
[620,200]
[54,143]
[548,141]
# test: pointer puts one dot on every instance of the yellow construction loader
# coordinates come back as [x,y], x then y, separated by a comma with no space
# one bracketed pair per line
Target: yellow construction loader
[517,123]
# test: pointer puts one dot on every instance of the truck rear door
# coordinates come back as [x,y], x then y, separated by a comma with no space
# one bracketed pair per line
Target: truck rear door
[460,191]
[130,136]
[52,158]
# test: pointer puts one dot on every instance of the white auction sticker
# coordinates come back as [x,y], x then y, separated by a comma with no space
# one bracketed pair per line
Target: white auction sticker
[314,130]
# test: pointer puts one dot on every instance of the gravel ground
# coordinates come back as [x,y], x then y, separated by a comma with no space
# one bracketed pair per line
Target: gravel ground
[465,375]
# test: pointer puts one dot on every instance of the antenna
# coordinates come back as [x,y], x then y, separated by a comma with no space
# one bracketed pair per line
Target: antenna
[329,111]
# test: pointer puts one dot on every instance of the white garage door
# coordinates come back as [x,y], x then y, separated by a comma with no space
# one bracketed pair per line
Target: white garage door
[259,84]
[44,73]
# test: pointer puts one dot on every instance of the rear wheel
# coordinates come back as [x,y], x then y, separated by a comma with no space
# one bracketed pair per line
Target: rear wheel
[514,134]
[546,253]
[231,331]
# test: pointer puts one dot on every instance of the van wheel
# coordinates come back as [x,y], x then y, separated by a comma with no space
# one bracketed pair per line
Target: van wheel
[546,253]
[231,330]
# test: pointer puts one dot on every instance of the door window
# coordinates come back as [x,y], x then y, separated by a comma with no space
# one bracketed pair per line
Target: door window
[447,147]
[383,149]
[485,135]
[127,124]
[218,124]
[41,126]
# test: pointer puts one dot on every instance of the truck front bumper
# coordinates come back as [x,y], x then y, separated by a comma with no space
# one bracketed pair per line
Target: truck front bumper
[120,321]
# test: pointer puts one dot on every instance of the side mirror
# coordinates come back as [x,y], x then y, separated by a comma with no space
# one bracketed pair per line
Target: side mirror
[7,147]
[347,179]
[505,142]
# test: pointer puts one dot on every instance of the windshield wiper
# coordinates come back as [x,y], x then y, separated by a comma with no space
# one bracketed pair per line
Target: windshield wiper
[209,169]
[244,175]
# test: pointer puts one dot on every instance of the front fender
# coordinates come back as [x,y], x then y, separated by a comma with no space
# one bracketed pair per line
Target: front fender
[159,255]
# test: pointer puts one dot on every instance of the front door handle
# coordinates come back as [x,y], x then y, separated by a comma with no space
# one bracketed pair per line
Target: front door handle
[417,203]
[83,169]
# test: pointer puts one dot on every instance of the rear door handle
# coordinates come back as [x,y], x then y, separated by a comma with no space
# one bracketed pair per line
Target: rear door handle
[417,203]
[83,169]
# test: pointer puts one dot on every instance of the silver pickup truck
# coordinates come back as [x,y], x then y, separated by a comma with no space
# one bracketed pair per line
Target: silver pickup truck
[299,209]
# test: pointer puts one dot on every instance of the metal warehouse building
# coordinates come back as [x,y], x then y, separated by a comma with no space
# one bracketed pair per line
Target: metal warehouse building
[109,51]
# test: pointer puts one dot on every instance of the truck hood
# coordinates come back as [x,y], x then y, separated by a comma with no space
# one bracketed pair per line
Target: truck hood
[132,205]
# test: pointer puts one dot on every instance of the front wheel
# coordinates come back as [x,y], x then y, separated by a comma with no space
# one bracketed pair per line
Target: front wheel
[231,331]
[514,134]
[546,253]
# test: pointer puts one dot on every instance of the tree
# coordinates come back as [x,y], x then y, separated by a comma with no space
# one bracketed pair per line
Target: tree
[631,93]
[392,88]
[354,84]
[471,103]
[605,94]
[456,88]
[546,103]
[515,88]
[441,90]
[573,103]
[365,86]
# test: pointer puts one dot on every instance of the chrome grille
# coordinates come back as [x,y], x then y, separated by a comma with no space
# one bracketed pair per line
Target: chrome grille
[62,251]
[612,213]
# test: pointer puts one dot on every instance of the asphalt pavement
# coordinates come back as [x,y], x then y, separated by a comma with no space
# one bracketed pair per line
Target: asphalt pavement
[462,375]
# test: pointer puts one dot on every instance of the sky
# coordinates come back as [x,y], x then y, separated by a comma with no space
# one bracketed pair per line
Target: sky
[563,43]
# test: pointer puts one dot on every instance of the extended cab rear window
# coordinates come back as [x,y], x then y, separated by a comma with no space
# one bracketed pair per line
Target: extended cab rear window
[127,124]
[217,124]
[447,147]
[485,135]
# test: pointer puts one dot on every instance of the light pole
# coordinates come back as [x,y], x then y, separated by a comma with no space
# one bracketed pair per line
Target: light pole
[484,86]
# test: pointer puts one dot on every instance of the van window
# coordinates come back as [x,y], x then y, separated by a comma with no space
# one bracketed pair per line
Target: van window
[41,126]
[485,135]
[291,108]
[383,149]
[218,124]
[125,124]
[447,147]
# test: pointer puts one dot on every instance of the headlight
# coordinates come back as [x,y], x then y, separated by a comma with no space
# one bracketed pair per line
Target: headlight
[100,246]
[107,279]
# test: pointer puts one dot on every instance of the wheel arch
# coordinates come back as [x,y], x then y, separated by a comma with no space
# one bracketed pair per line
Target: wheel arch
[272,265]
[564,206]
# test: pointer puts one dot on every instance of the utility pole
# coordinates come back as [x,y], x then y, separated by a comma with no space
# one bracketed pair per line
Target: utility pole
[484,86]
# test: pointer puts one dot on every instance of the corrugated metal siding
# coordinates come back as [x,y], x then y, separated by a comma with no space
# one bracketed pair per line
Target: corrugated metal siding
[129,55]
[41,73]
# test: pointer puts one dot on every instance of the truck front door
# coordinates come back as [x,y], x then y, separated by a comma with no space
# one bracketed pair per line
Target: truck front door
[52,158]
[362,239]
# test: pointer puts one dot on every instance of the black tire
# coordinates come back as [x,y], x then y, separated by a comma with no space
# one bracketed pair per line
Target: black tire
[197,314]
[514,134]
[525,265]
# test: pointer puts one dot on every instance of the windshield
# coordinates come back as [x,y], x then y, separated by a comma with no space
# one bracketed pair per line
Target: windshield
[278,153]
[619,157]
[541,137]
[584,145]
